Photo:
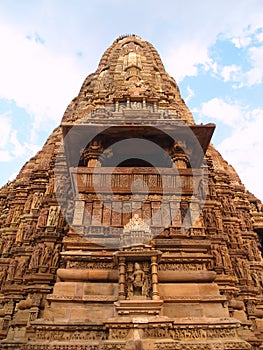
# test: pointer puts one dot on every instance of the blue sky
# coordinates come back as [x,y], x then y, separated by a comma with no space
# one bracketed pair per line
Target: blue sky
[213,49]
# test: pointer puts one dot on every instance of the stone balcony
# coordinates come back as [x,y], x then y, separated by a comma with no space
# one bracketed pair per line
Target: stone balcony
[136,180]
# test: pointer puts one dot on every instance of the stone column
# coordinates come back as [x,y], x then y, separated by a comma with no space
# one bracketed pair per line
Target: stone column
[117,106]
[154,268]
[122,278]
[78,212]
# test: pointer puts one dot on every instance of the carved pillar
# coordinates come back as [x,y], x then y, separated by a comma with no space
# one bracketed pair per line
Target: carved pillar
[122,267]
[179,157]
[90,155]
[96,218]
[154,267]
[117,106]
[195,213]
[92,158]
[78,212]
[128,103]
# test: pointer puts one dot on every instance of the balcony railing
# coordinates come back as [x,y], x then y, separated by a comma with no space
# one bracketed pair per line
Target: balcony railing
[136,180]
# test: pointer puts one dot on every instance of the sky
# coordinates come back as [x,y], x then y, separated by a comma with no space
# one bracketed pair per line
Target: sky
[213,49]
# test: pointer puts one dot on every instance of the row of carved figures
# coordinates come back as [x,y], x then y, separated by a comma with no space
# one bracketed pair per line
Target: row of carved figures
[240,266]
[34,202]
[42,255]
[48,216]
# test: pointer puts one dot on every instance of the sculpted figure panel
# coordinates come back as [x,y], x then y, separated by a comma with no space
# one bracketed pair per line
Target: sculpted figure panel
[137,281]
[11,271]
[53,216]
[42,219]
[36,201]
[36,255]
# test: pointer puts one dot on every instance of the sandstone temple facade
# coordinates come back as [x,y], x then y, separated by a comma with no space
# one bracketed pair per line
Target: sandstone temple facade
[128,230]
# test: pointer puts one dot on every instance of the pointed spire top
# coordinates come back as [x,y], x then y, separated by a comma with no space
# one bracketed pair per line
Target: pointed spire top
[123,36]
[130,68]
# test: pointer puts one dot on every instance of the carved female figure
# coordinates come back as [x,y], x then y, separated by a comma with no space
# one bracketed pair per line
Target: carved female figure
[47,256]
[55,257]
[11,270]
[42,219]
[53,216]
[21,267]
[34,262]
[29,229]
[2,275]
[138,279]
[36,200]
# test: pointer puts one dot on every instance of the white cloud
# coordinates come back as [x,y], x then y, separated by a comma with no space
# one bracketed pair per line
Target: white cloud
[191,46]
[21,149]
[5,129]
[217,109]
[241,42]
[13,176]
[250,71]
[35,77]
[191,94]
[243,150]
[18,149]
[5,156]
[230,72]
[254,76]
[10,146]
[241,76]
[259,37]
[182,61]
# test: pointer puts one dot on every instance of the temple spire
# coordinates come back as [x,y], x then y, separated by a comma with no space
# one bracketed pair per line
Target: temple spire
[130,68]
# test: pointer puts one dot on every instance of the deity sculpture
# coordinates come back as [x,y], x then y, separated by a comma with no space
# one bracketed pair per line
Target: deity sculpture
[55,257]
[29,230]
[11,270]
[21,266]
[34,262]
[137,282]
[53,216]
[47,255]
[2,275]
[20,234]
[42,219]
[36,200]
[138,279]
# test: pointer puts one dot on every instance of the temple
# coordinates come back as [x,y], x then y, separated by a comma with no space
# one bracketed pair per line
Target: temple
[128,230]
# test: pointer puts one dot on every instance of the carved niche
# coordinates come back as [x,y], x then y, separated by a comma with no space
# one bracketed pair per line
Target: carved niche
[137,263]
[138,280]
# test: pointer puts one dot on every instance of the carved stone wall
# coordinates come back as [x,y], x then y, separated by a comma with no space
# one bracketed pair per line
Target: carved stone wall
[67,277]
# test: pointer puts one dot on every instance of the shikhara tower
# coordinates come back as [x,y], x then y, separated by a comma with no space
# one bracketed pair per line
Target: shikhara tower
[128,230]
